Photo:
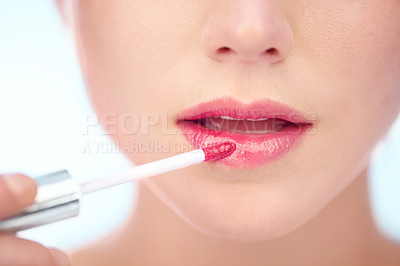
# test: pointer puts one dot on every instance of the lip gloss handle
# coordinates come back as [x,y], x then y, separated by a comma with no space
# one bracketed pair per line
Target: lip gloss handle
[57,199]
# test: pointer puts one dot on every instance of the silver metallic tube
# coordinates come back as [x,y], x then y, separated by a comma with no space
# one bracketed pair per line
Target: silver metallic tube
[57,199]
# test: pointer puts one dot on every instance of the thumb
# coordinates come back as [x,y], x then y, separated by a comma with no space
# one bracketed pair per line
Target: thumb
[17,191]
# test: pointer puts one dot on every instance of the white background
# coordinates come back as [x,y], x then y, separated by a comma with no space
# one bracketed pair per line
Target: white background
[43,118]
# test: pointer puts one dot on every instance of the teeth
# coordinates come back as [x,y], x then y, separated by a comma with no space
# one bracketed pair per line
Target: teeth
[228,118]
[254,131]
[231,118]
[261,119]
[217,123]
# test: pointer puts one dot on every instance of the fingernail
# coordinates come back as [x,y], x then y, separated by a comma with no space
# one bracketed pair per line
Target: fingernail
[18,184]
[60,258]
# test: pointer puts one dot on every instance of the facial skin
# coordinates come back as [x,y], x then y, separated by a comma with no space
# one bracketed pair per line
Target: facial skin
[338,60]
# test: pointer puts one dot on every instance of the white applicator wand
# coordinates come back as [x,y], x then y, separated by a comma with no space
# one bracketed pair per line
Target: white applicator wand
[58,194]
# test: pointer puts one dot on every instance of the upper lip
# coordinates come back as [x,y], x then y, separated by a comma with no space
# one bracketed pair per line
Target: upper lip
[230,107]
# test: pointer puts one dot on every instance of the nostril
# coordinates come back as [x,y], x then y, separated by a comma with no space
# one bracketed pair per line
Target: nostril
[272,51]
[224,50]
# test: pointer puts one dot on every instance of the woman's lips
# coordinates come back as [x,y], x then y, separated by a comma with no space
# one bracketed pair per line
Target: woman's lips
[263,131]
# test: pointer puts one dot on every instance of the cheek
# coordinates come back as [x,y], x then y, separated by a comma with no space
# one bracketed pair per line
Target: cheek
[126,49]
[353,49]
[344,30]
[128,43]
[350,41]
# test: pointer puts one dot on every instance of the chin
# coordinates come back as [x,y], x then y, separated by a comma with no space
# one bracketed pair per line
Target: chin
[252,217]
[238,227]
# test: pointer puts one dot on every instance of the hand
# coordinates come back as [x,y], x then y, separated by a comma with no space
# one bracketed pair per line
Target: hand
[18,191]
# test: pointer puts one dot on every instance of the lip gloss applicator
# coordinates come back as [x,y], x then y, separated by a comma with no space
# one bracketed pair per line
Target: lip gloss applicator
[58,194]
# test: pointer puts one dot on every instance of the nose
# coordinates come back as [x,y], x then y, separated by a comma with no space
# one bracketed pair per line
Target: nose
[247,31]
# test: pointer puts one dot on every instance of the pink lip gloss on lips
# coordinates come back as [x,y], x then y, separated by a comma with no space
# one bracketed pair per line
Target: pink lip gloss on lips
[263,131]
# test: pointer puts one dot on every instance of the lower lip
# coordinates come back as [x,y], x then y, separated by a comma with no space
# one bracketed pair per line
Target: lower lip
[252,150]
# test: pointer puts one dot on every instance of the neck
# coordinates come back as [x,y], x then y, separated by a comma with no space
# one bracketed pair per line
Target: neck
[342,234]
